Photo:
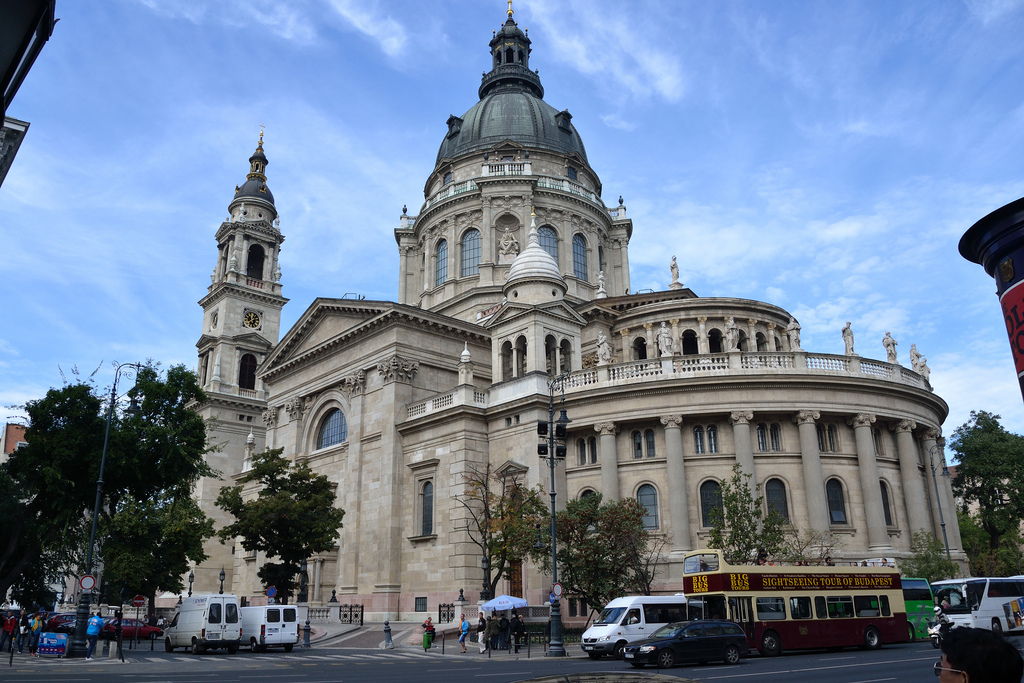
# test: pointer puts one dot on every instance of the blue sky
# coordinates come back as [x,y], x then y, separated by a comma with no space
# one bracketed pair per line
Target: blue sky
[822,156]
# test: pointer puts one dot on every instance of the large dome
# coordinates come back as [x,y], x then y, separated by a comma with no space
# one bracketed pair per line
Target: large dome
[512,114]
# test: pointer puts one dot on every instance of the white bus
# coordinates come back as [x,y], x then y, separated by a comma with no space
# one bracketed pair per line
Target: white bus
[982,602]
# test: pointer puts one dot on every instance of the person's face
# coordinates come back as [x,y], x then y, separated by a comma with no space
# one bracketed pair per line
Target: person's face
[948,673]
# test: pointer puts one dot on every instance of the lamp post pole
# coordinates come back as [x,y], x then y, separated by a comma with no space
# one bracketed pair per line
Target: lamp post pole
[485,564]
[553,450]
[938,501]
[78,644]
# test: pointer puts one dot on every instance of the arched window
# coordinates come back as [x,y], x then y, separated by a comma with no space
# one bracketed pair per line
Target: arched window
[886,508]
[762,437]
[579,256]
[698,440]
[564,356]
[600,257]
[638,445]
[639,349]
[581,452]
[743,344]
[775,437]
[521,356]
[254,263]
[836,502]
[333,429]
[712,439]
[710,500]
[506,361]
[647,496]
[549,354]
[247,371]
[548,240]
[427,508]
[690,343]
[509,56]
[775,497]
[586,493]
[592,444]
[762,342]
[470,263]
[649,443]
[715,340]
[441,262]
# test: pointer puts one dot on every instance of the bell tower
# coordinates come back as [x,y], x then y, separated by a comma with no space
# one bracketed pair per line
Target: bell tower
[241,325]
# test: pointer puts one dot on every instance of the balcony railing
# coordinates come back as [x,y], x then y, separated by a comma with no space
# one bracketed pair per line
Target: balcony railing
[451,191]
[564,185]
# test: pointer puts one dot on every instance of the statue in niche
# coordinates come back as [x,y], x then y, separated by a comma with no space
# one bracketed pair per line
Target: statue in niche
[890,347]
[674,269]
[601,292]
[732,337]
[793,332]
[509,245]
[604,350]
[214,317]
[664,340]
[848,339]
[277,272]
[233,262]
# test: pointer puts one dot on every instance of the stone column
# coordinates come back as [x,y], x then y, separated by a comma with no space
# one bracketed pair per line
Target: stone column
[649,336]
[677,343]
[741,437]
[814,480]
[627,351]
[871,491]
[403,269]
[702,334]
[609,460]
[931,459]
[772,346]
[910,476]
[946,494]
[678,502]
[751,335]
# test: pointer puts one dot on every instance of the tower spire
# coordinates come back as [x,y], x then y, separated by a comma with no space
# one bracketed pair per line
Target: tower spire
[510,60]
[510,10]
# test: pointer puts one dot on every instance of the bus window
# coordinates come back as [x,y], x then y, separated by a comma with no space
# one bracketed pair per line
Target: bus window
[716,606]
[975,591]
[839,607]
[1005,588]
[704,562]
[819,607]
[866,605]
[884,599]
[771,609]
[800,608]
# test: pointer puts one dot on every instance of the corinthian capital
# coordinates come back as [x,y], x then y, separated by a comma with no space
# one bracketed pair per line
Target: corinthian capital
[863,420]
[605,428]
[932,433]
[904,426]
[741,417]
[805,417]
[672,421]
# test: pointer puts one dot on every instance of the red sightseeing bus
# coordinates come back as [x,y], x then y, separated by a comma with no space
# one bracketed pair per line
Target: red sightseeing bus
[797,607]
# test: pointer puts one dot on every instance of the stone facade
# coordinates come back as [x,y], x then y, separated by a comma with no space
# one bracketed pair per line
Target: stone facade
[499,290]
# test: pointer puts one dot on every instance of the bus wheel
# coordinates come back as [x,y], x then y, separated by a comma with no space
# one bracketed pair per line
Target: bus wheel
[872,638]
[771,645]
[997,626]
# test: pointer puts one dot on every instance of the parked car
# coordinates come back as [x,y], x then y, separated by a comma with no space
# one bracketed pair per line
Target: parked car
[689,641]
[62,622]
[628,619]
[131,629]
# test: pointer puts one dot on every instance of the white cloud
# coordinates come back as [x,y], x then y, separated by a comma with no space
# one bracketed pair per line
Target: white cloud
[286,20]
[366,18]
[618,123]
[987,11]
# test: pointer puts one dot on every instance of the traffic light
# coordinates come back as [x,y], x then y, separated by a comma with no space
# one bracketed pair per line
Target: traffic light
[542,428]
[542,448]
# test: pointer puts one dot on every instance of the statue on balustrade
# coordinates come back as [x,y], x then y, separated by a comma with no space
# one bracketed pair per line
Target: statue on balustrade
[732,336]
[674,268]
[664,340]
[924,370]
[604,350]
[793,332]
[890,347]
[848,339]
[915,358]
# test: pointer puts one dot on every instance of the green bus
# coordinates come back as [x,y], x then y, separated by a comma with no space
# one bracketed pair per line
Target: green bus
[917,594]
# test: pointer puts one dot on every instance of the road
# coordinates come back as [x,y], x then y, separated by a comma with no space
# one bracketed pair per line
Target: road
[907,663]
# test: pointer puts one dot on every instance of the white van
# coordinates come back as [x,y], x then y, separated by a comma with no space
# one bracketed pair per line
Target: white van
[205,622]
[631,618]
[270,626]
[981,602]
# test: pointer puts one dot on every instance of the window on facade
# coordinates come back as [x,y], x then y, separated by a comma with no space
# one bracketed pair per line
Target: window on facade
[886,508]
[572,173]
[579,256]
[638,445]
[775,437]
[549,241]
[581,452]
[689,343]
[470,263]
[549,354]
[649,443]
[712,439]
[586,492]
[836,501]
[600,258]
[715,341]
[828,438]
[592,444]
[247,371]
[506,361]
[427,508]
[762,342]
[762,437]
[639,349]
[710,500]
[564,356]
[447,177]
[254,263]
[521,356]
[648,498]
[698,440]
[333,429]
[441,262]
[775,497]
[420,604]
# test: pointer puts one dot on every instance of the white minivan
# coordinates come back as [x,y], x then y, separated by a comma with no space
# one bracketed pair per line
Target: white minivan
[631,618]
[270,626]
[205,622]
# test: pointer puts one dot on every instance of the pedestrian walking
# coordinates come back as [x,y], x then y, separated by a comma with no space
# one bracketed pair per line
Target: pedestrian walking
[481,633]
[10,625]
[23,631]
[463,632]
[504,632]
[118,631]
[428,633]
[92,633]
[35,628]
[492,632]
[518,630]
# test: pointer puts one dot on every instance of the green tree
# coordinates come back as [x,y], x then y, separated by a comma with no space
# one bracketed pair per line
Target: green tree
[739,527]
[990,476]
[292,517]
[604,551]
[1006,560]
[153,454]
[928,558]
[503,518]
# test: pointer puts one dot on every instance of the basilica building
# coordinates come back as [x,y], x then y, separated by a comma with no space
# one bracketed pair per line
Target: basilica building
[515,272]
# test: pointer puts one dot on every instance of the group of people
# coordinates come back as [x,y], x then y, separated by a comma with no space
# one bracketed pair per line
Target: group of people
[494,633]
[975,655]
[19,631]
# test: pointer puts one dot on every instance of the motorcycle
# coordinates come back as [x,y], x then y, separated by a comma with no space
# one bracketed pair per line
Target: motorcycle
[938,629]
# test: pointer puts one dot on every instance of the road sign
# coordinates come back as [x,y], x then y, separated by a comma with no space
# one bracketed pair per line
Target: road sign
[138,601]
[87,582]
[557,590]
[271,591]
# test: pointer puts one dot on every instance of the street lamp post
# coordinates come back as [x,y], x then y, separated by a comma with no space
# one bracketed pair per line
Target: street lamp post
[485,564]
[552,448]
[938,501]
[78,644]
[191,578]
[222,577]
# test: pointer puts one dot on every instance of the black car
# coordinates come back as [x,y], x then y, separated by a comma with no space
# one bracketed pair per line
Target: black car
[689,641]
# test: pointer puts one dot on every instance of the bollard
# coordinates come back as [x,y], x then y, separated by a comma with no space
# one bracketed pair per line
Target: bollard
[388,643]
[305,634]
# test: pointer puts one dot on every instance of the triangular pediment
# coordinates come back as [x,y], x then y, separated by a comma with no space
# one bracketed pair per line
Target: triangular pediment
[556,309]
[511,468]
